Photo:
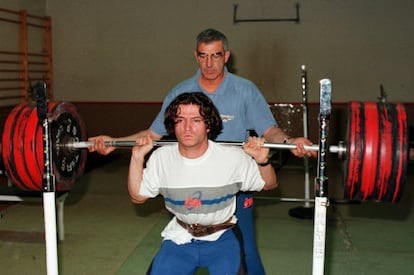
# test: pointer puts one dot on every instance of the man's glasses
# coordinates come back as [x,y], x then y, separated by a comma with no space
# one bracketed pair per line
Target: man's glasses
[203,57]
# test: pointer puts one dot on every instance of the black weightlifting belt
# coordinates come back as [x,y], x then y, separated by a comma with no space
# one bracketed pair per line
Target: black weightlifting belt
[198,230]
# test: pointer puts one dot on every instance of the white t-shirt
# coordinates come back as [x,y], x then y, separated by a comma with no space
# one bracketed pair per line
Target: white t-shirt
[201,190]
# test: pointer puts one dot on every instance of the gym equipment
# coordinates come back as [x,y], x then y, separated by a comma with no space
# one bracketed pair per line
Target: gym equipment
[23,151]
[51,136]
[375,153]
[321,180]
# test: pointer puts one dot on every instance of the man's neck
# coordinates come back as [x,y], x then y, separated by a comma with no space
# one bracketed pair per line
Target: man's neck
[210,85]
[193,152]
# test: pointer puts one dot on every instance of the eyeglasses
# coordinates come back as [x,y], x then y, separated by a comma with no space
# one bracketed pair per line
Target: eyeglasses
[203,57]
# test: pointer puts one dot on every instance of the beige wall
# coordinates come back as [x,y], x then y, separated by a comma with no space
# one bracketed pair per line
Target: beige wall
[37,7]
[136,51]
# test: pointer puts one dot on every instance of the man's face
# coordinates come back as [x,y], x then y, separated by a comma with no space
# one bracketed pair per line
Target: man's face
[190,128]
[211,59]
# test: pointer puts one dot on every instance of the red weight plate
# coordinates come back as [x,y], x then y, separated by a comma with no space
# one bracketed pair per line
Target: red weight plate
[348,191]
[21,159]
[33,150]
[20,170]
[385,150]
[353,109]
[17,156]
[370,155]
[389,189]
[402,150]
[353,152]
[7,145]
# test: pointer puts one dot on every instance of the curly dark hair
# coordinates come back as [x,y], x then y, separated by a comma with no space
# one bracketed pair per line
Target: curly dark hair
[208,112]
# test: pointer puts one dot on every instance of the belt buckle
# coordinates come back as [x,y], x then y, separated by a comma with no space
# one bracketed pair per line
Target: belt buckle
[198,230]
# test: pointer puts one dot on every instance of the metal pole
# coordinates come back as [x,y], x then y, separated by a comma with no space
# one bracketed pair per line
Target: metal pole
[305,132]
[321,180]
[48,184]
[305,211]
[131,143]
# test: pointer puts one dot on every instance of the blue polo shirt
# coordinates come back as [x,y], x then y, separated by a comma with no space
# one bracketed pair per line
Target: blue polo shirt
[241,105]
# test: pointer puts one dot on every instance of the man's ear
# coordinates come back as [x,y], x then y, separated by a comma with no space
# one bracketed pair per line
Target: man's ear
[226,56]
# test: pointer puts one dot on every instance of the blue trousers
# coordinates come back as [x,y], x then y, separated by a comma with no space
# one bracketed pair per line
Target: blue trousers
[223,256]
[244,214]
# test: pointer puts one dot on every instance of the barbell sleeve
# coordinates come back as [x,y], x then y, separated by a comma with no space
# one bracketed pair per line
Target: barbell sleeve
[131,143]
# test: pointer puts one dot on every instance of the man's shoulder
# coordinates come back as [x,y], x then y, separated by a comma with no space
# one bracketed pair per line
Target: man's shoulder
[227,149]
[165,153]
[241,81]
[187,85]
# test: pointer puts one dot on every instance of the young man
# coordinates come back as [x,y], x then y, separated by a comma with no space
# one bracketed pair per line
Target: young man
[242,108]
[199,180]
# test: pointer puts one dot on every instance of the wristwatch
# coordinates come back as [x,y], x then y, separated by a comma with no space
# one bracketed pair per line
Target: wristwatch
[264,163]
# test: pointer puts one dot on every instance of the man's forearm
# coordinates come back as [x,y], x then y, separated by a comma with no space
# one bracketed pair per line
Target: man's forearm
[276,135]
[136,168]
[269,176]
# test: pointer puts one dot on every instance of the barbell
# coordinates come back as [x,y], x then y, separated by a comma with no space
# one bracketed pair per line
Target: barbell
[374,154]
[340,149]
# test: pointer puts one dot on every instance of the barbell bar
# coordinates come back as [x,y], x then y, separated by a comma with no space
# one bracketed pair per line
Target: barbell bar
[130,143]
[374,152]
